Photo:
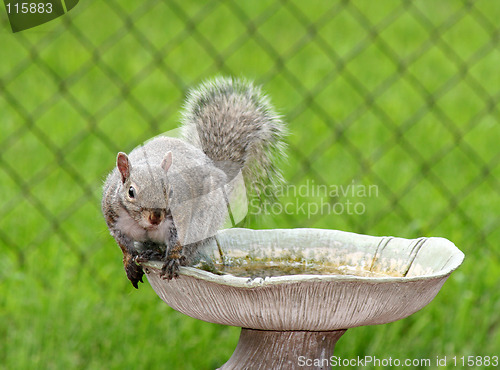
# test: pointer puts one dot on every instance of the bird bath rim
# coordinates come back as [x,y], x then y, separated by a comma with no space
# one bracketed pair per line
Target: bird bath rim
[252,282]
[249,282]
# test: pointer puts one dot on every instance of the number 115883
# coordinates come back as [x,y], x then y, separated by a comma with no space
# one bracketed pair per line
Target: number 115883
[32,8]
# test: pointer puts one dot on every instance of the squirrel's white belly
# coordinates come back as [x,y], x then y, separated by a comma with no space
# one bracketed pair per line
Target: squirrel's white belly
[159,234]
[138,232]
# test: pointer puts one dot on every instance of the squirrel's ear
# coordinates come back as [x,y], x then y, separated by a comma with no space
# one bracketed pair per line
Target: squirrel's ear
[167,161]
[123,165]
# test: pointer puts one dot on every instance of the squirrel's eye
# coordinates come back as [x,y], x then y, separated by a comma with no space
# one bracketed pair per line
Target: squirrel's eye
[131,192]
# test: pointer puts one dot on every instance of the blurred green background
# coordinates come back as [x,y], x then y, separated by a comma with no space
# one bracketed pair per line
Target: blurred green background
[402,95]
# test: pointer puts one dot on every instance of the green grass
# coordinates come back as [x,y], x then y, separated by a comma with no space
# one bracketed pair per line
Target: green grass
[76,90]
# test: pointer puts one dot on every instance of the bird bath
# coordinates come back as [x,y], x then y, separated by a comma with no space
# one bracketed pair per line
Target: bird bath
[295,292]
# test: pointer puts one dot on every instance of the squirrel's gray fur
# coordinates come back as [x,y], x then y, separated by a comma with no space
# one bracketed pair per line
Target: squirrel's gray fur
[171,195]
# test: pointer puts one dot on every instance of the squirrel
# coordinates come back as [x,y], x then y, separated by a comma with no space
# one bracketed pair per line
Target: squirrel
[170,196]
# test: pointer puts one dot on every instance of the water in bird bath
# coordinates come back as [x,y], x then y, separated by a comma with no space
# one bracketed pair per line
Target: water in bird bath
[248,267]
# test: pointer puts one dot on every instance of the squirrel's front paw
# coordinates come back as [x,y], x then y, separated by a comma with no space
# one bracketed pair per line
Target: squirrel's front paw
[134,272]
[170,269]
[174,259]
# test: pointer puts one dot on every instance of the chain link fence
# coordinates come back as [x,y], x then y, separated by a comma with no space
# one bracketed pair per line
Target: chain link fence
[402,96]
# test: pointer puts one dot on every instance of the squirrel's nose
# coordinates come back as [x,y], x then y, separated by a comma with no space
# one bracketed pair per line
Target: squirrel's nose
[155,217]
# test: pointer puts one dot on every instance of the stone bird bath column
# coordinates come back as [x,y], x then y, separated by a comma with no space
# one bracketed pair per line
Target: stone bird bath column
[295,292]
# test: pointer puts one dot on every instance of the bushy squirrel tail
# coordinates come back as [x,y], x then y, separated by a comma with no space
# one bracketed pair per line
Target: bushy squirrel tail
[236,126]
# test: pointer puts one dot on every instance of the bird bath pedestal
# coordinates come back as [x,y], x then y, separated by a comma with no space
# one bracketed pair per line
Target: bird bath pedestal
[295,292]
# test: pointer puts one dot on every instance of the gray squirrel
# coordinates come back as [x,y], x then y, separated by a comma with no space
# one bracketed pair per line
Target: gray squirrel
[168,197]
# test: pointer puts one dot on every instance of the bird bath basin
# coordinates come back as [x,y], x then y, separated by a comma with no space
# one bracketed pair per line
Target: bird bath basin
[295,292]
